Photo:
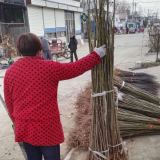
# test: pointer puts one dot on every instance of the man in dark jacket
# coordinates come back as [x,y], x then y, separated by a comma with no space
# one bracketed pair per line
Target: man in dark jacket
[73,47]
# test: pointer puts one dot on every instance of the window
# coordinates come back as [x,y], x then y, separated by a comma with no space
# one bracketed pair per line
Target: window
[20,2]
[11,14]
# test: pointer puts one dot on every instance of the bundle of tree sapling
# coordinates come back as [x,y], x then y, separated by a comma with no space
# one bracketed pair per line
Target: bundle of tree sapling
[105,140]
[133,120]
[135,91]
[138,105]
[141,80]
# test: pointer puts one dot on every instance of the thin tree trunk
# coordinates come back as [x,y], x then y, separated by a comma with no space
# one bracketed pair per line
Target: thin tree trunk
[105,141]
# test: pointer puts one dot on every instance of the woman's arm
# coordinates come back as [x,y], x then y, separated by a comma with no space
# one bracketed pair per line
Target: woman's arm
[8,97]
[70,70]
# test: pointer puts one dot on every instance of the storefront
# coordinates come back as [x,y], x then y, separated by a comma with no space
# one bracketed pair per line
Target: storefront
[54,19]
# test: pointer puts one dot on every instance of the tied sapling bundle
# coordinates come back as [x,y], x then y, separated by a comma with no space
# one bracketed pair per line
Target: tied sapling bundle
[140,80]
[133,121]
[136,124]
[138,105]
[135,91]
[105,140]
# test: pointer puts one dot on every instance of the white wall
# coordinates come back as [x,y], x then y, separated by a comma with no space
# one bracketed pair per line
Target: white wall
[77,21]
[68,2]
[38,2]
[49,18]
[35,20]
[60,18]
[60,4]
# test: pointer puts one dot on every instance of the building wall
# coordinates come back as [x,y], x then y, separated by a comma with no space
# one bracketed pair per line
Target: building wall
[15,22]
[49,18]
[59,4]
[35,18]
[50,21]
[16,2]
[60,24]
[60,19]
[68,2]
[77,25]
[77,22]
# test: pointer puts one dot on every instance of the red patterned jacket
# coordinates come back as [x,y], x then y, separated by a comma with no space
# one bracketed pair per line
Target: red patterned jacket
[30,91]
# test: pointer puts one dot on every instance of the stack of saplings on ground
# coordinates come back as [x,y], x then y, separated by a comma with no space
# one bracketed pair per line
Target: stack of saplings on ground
[138,108]
[140,80]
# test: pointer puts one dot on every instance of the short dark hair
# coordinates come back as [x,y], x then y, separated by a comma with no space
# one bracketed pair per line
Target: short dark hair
[28,44]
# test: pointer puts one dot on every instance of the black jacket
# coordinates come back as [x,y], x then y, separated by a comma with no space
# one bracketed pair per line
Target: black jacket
[73,44]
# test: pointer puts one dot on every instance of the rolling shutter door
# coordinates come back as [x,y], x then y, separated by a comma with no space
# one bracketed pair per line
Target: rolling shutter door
[36,20]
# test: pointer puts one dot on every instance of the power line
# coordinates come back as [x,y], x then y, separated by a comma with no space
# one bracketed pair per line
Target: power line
[144,2]
[149,2]
[137,1]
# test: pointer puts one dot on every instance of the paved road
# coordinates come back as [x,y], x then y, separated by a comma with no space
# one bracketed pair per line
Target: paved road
[128,50]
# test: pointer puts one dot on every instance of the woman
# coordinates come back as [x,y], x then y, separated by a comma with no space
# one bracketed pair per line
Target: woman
[30,90]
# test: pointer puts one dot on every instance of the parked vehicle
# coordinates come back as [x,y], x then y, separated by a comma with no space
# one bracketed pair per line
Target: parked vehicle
[59,49]
[156,24]
[131,27]
[141,29]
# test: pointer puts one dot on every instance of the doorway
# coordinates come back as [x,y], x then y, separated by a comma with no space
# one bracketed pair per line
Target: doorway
[70,24]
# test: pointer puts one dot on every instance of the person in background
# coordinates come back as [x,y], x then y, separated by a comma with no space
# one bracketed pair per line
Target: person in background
[73,48]
[30,92]
[46,49]
[127,29]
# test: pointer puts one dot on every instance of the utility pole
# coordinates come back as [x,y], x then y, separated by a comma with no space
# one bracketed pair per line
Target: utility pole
[156,16]
[132,10]
[135,6]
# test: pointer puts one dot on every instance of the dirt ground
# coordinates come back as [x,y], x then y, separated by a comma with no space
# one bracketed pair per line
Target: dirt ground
[129,49]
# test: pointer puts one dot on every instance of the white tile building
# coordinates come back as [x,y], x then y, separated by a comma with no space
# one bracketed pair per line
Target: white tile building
[55,18]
